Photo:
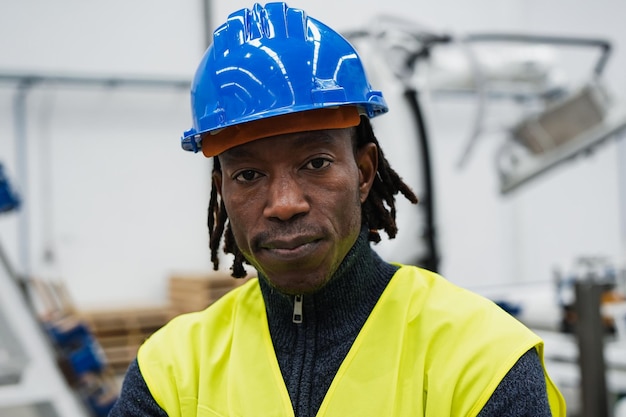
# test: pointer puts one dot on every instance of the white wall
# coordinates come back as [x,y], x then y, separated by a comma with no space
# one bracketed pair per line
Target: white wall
[121,206]
[108,191]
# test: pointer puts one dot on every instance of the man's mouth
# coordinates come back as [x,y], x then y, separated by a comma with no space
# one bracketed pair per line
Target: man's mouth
[288,243]
[291,247]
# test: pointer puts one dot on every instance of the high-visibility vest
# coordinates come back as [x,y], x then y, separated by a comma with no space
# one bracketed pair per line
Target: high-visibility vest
[428,348]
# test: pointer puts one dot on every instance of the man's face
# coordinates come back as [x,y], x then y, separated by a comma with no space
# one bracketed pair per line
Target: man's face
[294,203]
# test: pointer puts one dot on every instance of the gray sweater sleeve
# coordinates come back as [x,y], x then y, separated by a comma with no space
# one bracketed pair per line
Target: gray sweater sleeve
[522,392]
[135,399]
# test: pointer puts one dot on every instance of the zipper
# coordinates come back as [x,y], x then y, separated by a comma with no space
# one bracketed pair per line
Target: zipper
[297,309]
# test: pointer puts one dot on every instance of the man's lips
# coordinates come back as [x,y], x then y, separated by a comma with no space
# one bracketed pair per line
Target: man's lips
[288,244]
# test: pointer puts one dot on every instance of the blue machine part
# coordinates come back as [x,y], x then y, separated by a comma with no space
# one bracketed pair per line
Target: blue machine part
[9,200]
[78,346]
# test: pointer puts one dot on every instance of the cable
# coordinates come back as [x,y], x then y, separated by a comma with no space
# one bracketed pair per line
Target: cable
[431,260]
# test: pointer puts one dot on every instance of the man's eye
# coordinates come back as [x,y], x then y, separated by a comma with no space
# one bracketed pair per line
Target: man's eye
[317,163]
[247,175]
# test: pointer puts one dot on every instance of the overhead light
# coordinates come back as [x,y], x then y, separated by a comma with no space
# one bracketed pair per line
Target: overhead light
[564,131]
[564,120]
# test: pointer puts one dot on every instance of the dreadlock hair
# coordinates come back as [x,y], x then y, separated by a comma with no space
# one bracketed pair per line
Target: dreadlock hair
[377,212]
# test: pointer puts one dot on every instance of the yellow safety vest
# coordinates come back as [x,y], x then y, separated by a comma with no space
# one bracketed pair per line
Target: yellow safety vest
[428,348]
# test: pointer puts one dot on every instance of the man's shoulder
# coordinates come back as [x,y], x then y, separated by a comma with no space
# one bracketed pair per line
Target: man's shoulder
[186,327]
[437,289]
[449,309]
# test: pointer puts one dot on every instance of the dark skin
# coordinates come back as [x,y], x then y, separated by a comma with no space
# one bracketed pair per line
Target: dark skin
[294,203]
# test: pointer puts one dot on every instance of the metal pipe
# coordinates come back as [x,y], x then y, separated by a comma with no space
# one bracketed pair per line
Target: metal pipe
[21,157]
[621,180]
[96,81]
[604,45]
[207,24]
[590,336]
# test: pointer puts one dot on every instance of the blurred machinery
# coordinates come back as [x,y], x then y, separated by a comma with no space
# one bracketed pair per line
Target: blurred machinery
[565,122]
[582,315]
[592,296]
[50,361]
[9,200]
[554,123]
[12,356]
[558,121]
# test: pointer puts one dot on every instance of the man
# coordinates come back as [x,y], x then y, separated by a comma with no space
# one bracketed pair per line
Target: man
[300,187]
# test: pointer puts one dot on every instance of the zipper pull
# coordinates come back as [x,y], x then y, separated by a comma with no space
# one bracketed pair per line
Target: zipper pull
[297,309]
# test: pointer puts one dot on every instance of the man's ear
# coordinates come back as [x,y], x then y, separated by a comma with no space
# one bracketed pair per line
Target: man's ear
[367,162]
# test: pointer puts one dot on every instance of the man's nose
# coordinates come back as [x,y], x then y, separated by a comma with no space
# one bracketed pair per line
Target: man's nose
[286,198]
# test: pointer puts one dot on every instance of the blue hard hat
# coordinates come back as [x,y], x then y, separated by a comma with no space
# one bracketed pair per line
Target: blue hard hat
[271,61]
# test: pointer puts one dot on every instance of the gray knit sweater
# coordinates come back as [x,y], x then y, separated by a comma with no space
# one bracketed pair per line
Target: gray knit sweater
[310,353]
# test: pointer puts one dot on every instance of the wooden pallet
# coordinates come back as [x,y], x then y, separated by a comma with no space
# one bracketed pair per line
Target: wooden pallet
[189,293]
[120,332]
